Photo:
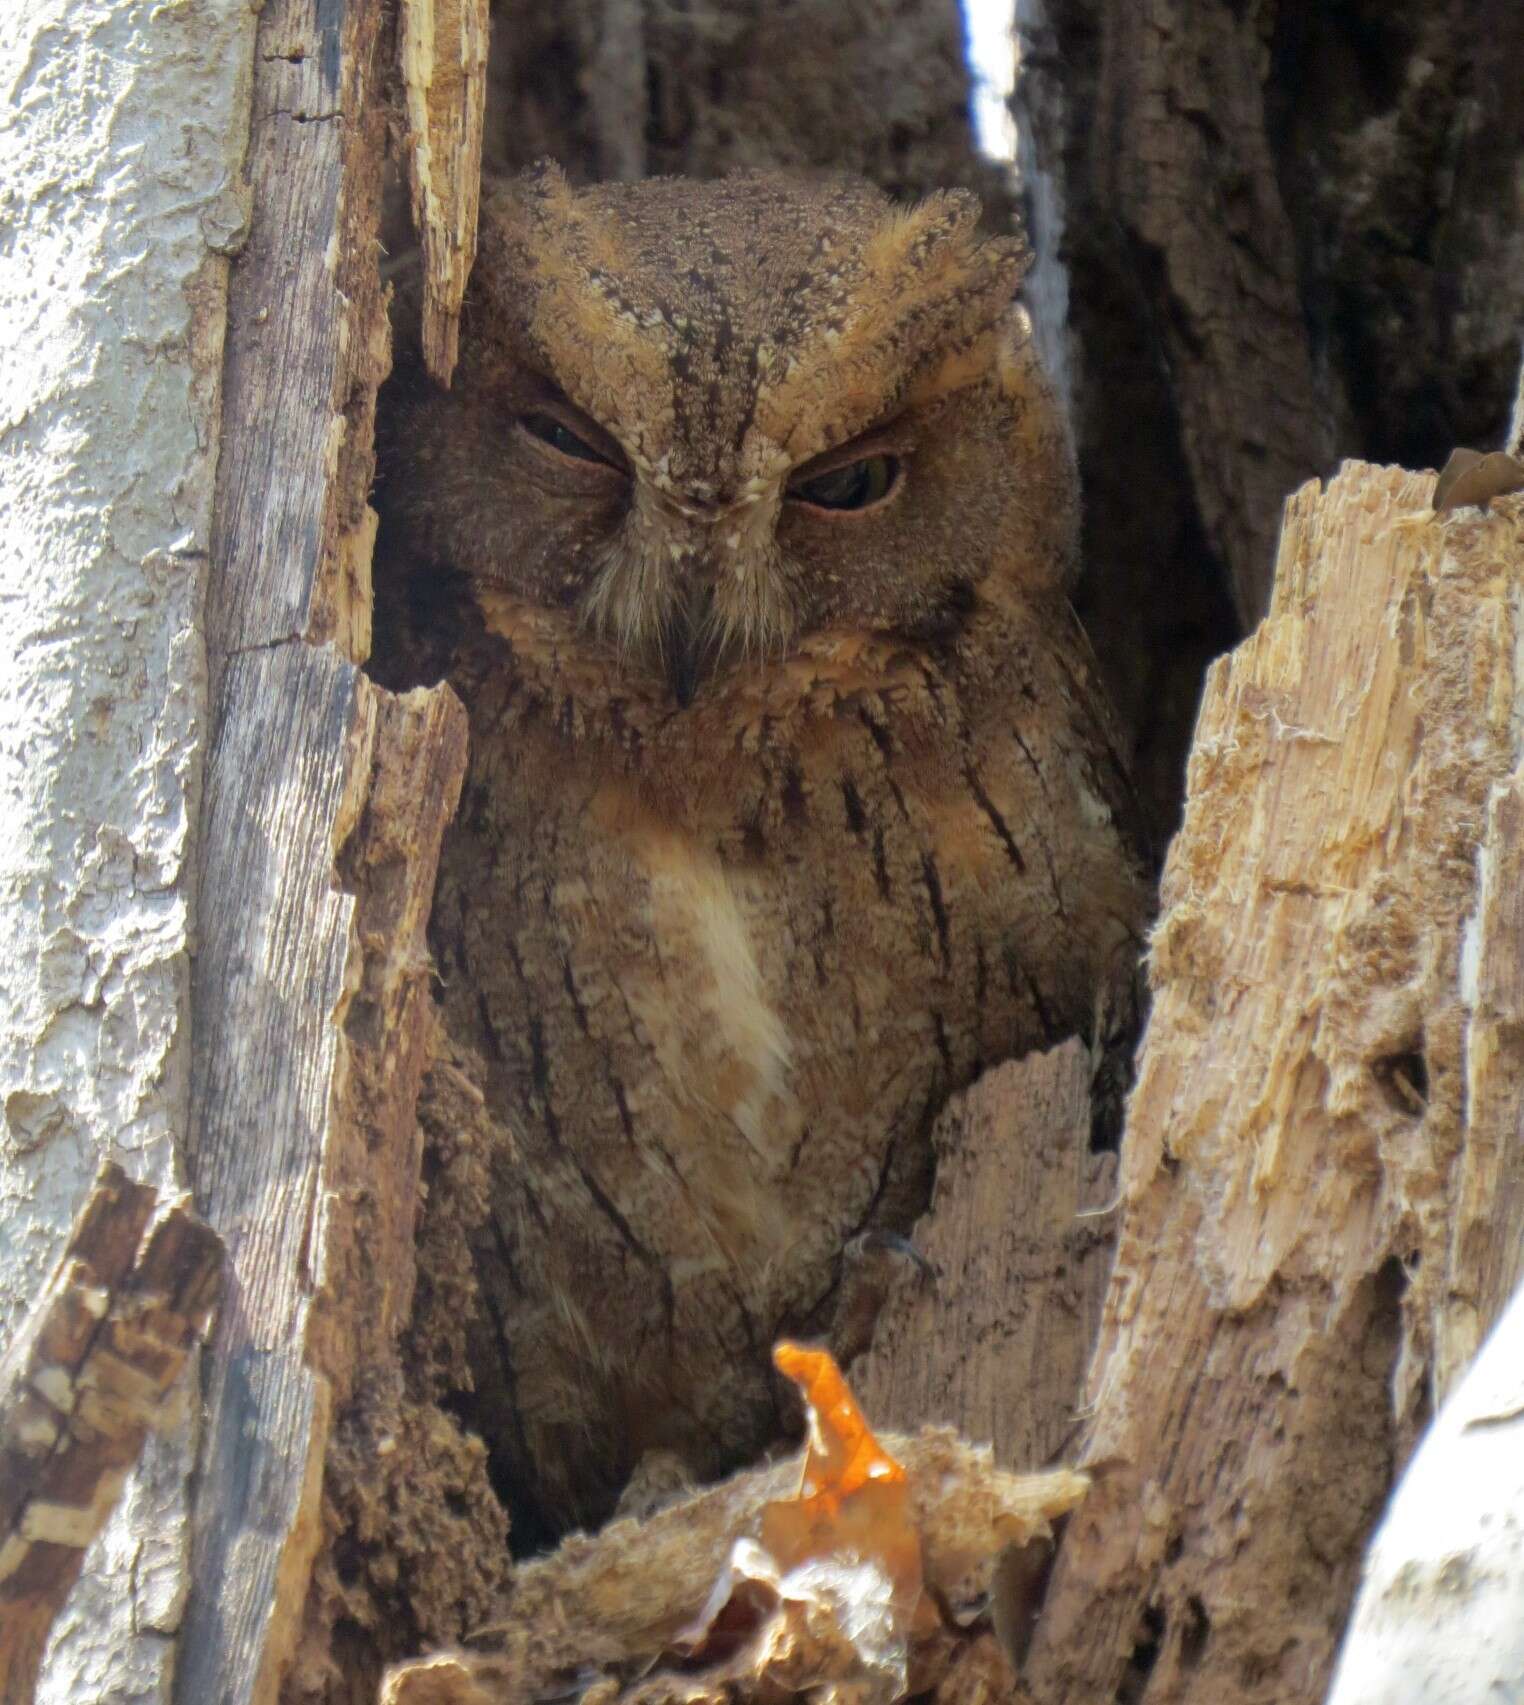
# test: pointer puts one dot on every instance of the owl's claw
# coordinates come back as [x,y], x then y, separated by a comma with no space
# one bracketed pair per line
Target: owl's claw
[876,1239]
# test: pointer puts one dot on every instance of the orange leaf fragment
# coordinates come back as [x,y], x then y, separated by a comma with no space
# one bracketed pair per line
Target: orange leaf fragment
[843,1453]
[855,1499]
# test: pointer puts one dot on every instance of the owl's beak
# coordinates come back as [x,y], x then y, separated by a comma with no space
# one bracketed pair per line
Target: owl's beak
[683,667]
[689,646]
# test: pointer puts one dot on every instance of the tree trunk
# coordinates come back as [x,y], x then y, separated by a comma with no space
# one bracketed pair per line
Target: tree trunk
[122,139]
[876,87]
[1320,1208]
[1288,234]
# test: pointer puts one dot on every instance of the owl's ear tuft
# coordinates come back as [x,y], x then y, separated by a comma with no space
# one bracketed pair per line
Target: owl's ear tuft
[935,249]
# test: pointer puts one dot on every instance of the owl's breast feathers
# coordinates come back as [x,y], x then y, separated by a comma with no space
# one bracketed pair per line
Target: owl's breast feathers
[867,808]
[725,963]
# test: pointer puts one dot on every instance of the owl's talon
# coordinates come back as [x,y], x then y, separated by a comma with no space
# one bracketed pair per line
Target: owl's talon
[876,1238]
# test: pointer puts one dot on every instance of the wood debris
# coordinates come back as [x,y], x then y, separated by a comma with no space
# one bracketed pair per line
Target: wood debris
[864,1571]
[442,51]
[80,1386]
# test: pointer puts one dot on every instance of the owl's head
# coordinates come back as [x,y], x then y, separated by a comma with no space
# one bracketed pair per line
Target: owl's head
[705,421]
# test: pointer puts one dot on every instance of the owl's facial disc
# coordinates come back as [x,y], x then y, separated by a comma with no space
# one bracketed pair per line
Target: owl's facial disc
[685,587]
[691,581]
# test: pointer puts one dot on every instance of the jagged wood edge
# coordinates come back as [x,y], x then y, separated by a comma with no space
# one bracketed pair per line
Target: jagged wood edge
[81,1385]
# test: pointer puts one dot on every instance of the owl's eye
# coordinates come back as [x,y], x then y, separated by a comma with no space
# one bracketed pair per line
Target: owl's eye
[560,437]
[854,485]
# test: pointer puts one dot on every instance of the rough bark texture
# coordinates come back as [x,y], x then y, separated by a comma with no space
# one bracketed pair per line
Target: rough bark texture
[1321,1203]
[1291,233]
[81,1384]
[120,144]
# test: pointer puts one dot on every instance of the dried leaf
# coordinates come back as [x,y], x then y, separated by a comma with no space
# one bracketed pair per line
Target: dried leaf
[854,1499]
[832,1591]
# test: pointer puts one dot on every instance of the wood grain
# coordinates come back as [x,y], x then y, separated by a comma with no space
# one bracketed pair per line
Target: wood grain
[999,1344]
[442,56]
[270,978]
[307,341]
[324,801]
[1307,1136]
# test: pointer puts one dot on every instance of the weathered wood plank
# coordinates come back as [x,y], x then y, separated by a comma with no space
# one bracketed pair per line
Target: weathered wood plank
[307,1074]
[295,728]
[306,1054]
[307,340]
[999,1345]
[363,1263]
[1302,1129]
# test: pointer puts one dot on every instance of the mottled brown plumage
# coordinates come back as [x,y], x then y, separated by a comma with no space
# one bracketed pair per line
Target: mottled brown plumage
[782,819]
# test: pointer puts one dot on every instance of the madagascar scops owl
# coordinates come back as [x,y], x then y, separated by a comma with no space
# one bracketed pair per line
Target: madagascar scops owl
[792,799]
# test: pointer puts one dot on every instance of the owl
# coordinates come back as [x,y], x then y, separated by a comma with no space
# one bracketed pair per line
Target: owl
[744,534]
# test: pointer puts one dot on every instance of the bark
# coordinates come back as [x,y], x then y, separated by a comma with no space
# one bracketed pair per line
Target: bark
[625,88]
[121,142]
[1289,234]
[81,1384]
[1439,1614]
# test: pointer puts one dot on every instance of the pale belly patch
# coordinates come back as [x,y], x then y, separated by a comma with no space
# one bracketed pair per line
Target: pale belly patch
[725,1053]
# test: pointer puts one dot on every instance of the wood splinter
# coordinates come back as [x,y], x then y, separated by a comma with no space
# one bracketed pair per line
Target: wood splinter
[442,52]
[81,1385]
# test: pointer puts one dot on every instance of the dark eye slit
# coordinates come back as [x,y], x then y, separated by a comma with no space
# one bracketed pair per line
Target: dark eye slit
[853,485]
[559,436]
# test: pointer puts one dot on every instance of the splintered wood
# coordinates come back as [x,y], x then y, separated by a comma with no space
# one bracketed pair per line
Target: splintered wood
[1020,1239]
[1323,1208]
[442,49]
[322,812]
[82,1383]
